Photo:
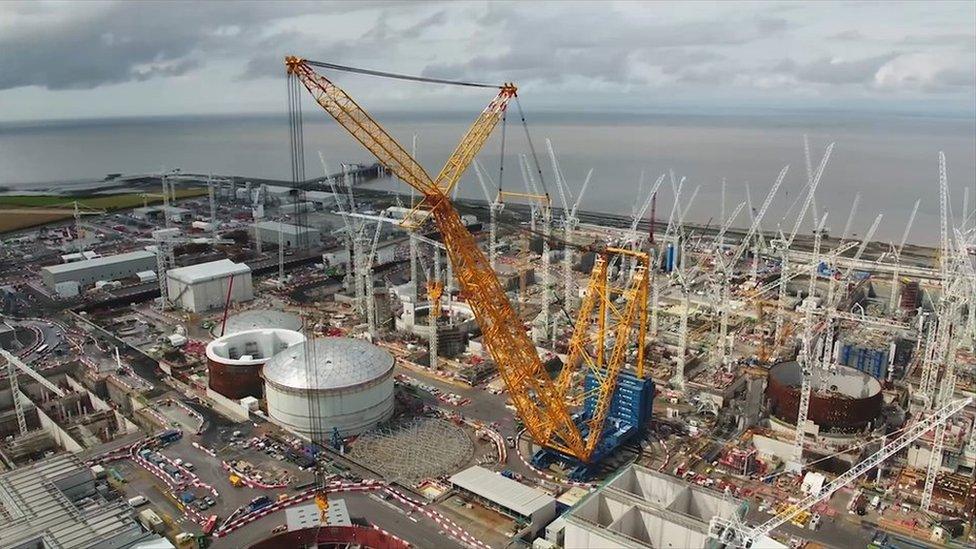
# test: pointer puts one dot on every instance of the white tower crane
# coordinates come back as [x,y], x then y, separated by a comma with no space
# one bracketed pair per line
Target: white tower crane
[832,283]
[723,284]
[632,235]
[15,391]
[571,222]
[165,260]
[895,285]
[165,184]
[812,183]
[733,533]
[367,275]
[530,189]
[281,253]
[350,228]
[213,204]
[808,356]
[850,217]
[494,206]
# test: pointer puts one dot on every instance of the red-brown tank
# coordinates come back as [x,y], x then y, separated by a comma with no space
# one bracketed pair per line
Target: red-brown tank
[235,382]
[234,361]
[846,401]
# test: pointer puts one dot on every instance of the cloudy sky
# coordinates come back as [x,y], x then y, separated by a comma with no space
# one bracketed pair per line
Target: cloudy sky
[85,59]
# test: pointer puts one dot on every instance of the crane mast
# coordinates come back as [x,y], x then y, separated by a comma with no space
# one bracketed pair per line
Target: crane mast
[539,403]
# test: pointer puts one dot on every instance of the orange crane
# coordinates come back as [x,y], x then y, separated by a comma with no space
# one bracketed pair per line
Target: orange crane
[540,401]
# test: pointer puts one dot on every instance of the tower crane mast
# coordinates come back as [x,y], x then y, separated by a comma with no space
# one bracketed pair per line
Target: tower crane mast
[813,181]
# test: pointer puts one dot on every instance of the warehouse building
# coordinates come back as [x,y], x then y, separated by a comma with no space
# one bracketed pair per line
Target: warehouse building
[203,287]
[153,213]
[528,505]
[292,236]
[90,271]
[322,199]
[56,502]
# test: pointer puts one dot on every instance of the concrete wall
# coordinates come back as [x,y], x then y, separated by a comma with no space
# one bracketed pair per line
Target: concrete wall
[228,407]
[124,424]
[57,433]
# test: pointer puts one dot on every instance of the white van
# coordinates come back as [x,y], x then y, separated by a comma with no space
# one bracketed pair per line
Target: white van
[137,501]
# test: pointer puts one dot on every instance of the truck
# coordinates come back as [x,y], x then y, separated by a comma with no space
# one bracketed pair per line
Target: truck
[137,501]
[259,502]
[151,521]
[209,526]
[170,436]
[187,497]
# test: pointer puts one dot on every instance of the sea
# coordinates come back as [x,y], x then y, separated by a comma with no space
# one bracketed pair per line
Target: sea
[889,159]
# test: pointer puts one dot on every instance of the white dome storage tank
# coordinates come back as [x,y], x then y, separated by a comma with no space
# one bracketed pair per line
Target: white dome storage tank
[347,384]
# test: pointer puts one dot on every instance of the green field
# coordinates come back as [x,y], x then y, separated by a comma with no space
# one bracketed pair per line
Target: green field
[24,211]
[98,201]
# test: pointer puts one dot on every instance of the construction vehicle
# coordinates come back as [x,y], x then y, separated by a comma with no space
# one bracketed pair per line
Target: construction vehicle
[235,481]
[541,401]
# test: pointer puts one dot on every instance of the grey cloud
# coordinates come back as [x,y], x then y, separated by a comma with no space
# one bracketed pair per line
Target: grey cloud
[415,30]
[553,46]
[954,78]
[957,40]
[178,68]
[114,43]
[847,35]
[825,71]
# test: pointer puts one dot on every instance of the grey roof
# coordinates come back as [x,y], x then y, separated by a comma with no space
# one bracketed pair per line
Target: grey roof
[203,272]
[99,262]
[506,492]
[259,319]
[51,501]
[278,226]
[338,362]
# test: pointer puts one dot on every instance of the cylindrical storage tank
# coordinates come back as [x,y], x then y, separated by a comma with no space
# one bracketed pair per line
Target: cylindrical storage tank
[234,361]
[345,383]
[848,400]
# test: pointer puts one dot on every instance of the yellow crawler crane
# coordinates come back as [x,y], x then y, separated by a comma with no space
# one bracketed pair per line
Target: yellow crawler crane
[541,402]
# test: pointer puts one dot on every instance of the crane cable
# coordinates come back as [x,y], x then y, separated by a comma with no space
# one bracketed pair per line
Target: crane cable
[397,76]
[528,137]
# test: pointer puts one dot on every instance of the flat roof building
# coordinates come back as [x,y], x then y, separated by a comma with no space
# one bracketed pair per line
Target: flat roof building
[204,286]
[89,271]
[292,236]
[53,503]
[157,212]
[79,256]
[533,507]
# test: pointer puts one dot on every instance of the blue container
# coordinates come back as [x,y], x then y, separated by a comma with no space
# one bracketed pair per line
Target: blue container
[845,354]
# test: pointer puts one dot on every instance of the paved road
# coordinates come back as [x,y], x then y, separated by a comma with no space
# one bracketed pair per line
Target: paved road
[386,515]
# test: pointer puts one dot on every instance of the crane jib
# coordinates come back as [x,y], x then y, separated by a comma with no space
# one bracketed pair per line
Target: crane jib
[541,403]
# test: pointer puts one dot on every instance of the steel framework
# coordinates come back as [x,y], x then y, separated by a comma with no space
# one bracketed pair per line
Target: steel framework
[536,396]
